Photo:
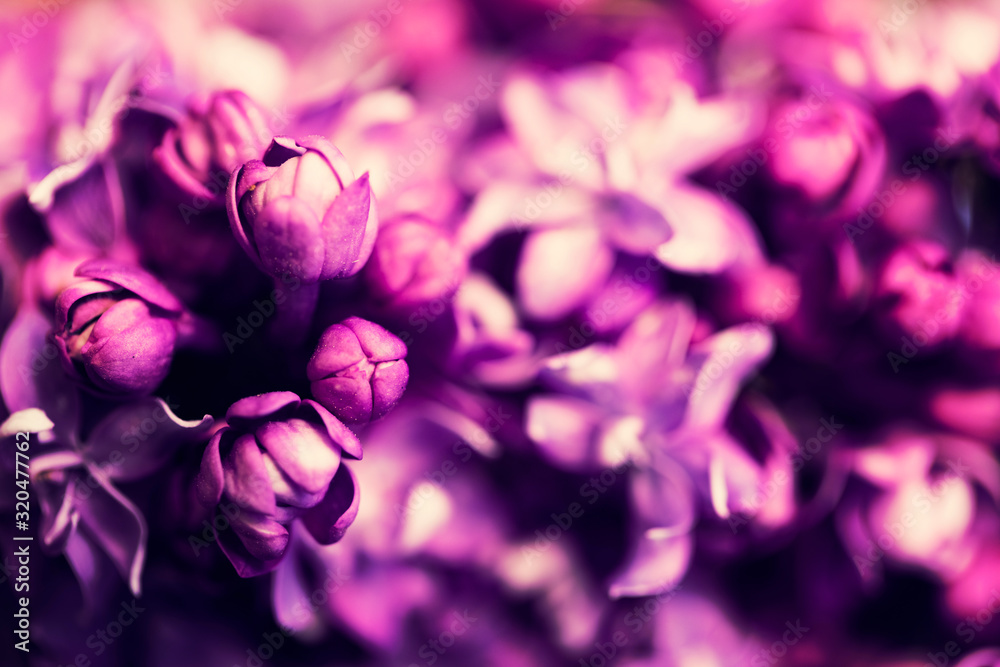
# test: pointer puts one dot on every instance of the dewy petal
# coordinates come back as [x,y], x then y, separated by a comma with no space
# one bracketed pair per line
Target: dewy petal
[129,350]
[330,519]
[350,225]
[388,384]
[560,268]
[314,181]
[133,279]
[123,435]
[349,398]
[119,528]
[287,234]
[340,434]
[564,428]
[376,341]
[247,412]
[658,564]
[303,451]
[338,349]
[246,477]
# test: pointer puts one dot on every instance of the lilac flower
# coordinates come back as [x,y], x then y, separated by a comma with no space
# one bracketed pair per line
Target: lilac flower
[299,211]
[218,135]
[922,506]
[656,401]
[358,370]
[587,180]
[278,460]
[917,289]
[118,329]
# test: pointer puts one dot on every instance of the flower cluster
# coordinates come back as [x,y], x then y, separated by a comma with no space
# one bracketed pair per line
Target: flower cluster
[439,332]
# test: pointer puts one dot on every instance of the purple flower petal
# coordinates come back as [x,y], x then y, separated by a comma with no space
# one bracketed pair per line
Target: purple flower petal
[137,439]
[330,519]
[564,428]
[119,528]
[133,279]
[388,384]
[210,481]
[658,564]
[31,376]
[264,538]
[343,436]
[304,452]
[288,237]
[247,412]
[245,563]
[377,343]
[560,269]
[246,477]
[129,350]
[339,348]
[349,230]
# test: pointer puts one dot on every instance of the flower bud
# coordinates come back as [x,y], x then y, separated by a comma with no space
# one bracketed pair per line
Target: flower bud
[118,329]
[414,262]
[358,370]
[300,213]
[278,460]
[217,136]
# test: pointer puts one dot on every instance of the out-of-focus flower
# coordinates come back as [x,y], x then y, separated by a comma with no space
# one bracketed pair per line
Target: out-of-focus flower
[589,179]
[918,295]
[829,149]
[217,136]
[921,506]
[278,460]
[414,262]
[119,328]
[300,212]
[83,512]
[657,402]
[358,371]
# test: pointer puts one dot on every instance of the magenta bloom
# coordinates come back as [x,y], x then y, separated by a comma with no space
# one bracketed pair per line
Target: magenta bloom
[919,295]
[118,329]
[278,460]
[300,212]
[217,136]
[358,370]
